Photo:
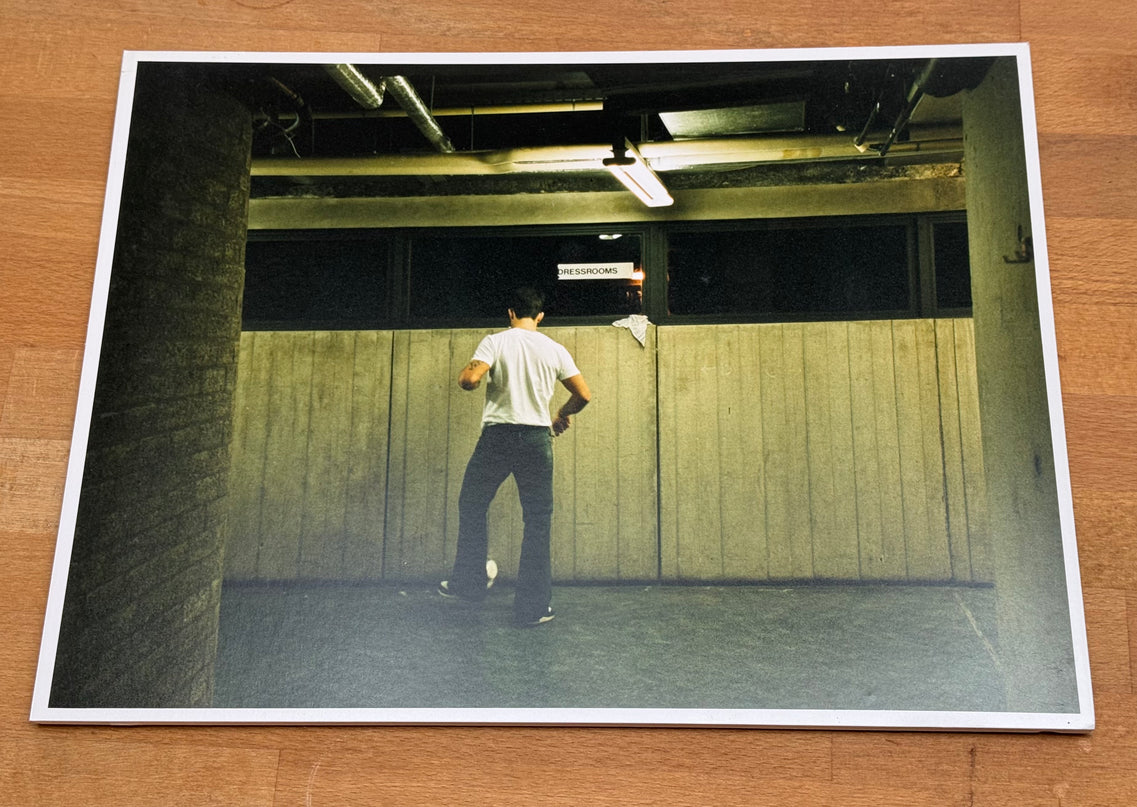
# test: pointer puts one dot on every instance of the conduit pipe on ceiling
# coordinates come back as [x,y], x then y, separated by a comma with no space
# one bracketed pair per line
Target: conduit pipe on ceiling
[463,111]
[369,95]
[915,94]
[946,143]
[416,110]
[366,93]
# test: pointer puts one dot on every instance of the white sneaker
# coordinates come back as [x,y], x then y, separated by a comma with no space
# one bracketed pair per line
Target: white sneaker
[491,575]
[533,622]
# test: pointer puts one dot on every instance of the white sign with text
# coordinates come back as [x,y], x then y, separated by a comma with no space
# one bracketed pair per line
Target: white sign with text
[621,270]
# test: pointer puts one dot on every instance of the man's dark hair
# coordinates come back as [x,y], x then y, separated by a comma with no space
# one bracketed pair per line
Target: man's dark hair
[526,302]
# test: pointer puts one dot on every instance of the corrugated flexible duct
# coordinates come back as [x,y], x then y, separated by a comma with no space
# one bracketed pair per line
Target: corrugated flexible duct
[416,110]
[370,96]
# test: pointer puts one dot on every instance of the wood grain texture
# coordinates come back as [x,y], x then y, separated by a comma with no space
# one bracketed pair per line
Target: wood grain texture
[857,443]
[310,456]
[57,93]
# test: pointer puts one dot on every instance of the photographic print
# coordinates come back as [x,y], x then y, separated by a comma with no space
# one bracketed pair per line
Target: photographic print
[642,388]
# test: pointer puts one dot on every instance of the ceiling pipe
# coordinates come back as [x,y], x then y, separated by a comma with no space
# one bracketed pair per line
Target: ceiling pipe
[933,143]
[365,92]
[416,110]
[369,95]
[463,111]
[915,94]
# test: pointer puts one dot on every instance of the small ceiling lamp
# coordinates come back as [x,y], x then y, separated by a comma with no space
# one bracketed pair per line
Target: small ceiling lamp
[628,166]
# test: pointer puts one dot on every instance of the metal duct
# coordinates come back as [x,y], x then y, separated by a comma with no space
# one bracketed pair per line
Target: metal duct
[366,93]
[416,110]
[914,95]
[370,96]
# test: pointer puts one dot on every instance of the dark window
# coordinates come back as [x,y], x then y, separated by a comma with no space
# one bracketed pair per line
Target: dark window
[469,277]
[787,271]
[952,265]
[769,270]
[315,282]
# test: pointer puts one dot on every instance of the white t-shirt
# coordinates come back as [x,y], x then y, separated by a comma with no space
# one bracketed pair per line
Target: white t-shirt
[525,367]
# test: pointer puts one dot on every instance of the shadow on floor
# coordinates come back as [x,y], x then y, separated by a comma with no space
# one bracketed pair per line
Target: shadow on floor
[920,648]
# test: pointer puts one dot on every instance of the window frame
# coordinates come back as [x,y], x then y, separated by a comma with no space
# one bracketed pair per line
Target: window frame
[929,297]
[383,318]
[804,223]
[552,319]
[654,243]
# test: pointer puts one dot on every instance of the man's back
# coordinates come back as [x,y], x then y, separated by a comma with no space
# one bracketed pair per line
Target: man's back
[524,368]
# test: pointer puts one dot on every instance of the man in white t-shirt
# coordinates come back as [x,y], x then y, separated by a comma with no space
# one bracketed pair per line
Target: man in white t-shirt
[523,369]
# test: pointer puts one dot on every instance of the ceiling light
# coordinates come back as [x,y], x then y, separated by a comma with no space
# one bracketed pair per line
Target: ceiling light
[629,167]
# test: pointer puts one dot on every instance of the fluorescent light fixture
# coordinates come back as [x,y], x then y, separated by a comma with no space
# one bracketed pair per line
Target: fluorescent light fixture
[628,166]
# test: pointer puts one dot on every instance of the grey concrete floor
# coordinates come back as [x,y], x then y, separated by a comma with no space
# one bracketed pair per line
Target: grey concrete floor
[750,647]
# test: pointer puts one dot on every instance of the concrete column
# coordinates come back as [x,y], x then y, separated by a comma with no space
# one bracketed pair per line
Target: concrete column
[139,625]
[1033,617]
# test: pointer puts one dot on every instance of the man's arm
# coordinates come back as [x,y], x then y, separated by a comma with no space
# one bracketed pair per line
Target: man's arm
[471,375]
[579,396]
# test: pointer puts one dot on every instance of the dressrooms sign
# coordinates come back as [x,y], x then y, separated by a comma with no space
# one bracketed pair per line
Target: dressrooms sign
[596,271]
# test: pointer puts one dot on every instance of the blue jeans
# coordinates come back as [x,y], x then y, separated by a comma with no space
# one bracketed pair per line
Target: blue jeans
[527,453]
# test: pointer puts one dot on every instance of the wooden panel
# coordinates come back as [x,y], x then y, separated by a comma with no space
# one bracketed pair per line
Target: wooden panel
[831,459]
[919,473]
[364,518]
[790,544]
[591,442]
[397,451]
[329,430]
[417,495]
[831,464]
[309,456]
[937,564]
[598,557]
[288,417]
[689,439]
[880,512]
[604,520]
[637,456]
[848,442]
[666,362]
[741,452]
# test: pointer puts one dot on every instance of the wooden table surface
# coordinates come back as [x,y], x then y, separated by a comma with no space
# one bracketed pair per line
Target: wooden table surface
[57,102]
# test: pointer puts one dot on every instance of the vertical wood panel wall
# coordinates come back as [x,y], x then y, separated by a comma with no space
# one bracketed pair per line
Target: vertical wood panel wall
[838,450]
[846,451]
[350,449]
[308,495]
